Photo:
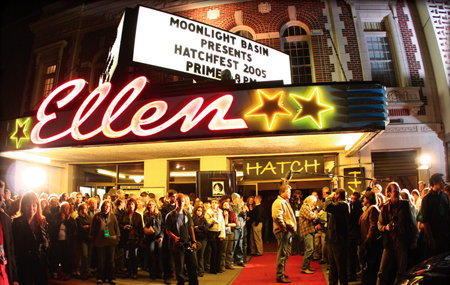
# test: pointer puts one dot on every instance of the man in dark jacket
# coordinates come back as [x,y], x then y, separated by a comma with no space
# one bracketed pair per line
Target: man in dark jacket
[435,215]
[182,242]
[7,255]
[354,235]
[167,261]
[337,236]
[400,233]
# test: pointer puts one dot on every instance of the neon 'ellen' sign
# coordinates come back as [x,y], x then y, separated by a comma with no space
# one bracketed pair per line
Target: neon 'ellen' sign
[130,116]
[190,113]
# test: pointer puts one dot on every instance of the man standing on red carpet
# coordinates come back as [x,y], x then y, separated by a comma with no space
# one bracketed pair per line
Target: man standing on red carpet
[284,225]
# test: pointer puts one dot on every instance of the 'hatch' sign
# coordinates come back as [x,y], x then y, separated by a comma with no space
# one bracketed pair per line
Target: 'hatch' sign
[169,41]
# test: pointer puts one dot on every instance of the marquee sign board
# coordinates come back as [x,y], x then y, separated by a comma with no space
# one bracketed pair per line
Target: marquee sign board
[168,41]
[272,168]
[354,179]
[138,112]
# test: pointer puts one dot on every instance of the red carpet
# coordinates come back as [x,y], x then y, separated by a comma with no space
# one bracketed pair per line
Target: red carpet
[262,269]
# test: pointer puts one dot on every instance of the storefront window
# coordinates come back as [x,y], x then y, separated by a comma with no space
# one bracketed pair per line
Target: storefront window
[182,175]
[104,178]
[98,173]
[131,173]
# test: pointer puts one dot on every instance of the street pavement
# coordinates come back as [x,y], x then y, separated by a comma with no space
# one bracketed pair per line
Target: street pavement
[224,278]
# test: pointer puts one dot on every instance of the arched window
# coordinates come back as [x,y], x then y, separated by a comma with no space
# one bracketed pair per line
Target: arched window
[245,34]
[244,31]
[295,41]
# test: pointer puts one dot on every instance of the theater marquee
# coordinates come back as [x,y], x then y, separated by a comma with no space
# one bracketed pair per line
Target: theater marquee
[162,40]
[112,114]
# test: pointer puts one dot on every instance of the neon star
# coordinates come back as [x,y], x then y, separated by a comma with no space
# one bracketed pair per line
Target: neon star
[269,107]
[22,132]
[310,108]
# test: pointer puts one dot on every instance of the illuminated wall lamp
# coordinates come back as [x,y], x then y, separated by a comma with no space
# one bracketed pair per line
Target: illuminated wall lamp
[137,178]
[425,161]
[183,174]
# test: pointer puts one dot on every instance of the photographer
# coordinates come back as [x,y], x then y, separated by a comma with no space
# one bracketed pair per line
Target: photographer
[182,243]
[399,229]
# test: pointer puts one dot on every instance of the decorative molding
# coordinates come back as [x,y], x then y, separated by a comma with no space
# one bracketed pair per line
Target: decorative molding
[264,7]
[213,14]
[401,129]
[415,128]
[405,97]
[436,128]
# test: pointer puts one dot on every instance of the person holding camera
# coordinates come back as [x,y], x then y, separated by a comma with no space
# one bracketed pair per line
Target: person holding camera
[399,229]
[182,242]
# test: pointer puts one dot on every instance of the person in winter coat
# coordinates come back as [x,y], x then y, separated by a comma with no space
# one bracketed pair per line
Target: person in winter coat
[105,235]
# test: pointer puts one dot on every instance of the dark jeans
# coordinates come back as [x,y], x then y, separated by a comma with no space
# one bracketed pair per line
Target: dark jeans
[155,266]
[338,263]
[371,262]
[64,256]
[167,261]
[200,255]
[216,251]
[105,263]
[131,255]
[86,254]
[352,259]
[283,251]
[309,250]
[182,257]
[393,264]
[238,251]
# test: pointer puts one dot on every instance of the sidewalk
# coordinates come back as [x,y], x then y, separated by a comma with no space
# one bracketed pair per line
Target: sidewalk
[224,278]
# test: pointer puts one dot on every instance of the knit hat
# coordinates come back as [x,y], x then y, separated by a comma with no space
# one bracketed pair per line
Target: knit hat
[234,196]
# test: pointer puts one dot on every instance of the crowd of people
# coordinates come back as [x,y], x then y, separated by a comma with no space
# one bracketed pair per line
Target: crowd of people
[73,235]
[378,233]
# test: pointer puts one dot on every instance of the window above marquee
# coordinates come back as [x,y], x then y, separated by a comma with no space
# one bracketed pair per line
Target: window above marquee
[295,41]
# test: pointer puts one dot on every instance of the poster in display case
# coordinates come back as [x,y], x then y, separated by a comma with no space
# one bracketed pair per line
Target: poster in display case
[215,184]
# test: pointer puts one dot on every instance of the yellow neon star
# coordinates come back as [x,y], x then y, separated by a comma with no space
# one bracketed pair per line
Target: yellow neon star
[22,131]
[311,108]
[269,107]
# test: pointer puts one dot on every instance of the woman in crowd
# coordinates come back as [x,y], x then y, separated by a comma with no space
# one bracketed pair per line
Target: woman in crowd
[83,222]
[132,234]
[105,234]
[62,235]
[153,238]
[31,241]
[216,235]
[248,226]
[201,232]
[371,247]
[228,244]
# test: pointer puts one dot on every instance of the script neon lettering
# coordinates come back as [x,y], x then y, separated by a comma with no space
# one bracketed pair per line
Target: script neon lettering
[78,85]
[100,93]
[160,109]
[136,85]
[190,113]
